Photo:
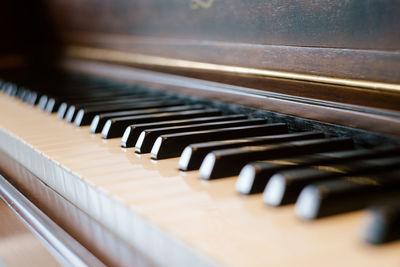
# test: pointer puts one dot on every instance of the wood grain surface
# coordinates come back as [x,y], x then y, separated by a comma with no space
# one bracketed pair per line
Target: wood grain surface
[347,24]
[341,39]
[350,39]
[377,120]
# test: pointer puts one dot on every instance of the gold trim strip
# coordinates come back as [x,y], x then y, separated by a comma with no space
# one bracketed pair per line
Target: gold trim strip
[133,58]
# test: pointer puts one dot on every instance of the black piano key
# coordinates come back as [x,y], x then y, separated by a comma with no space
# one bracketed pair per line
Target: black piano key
[346,194]
[12,89]
[193,155]
[62,110]
[78,95]
[7,87]
[133,132]
[86,115]
[96,98]
[229,162]
[42,102]
[52,105]
[72,112]
[172,145]
[383,222]
[21,93]
[254,176]
[111,104]
[99,120]
[119,99]
[97,95]
[27,95]
[66,104]
[115,127]
[17,93]
[4,86]
[74,108]
[148,137]
[48,103]
[76,102]
[33,98]
[55,102]
[284,187]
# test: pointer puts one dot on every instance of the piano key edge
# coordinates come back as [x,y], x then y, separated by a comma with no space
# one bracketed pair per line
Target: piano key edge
[179,254]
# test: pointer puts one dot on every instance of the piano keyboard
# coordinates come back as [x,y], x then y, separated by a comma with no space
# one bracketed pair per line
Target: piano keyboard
[192,184]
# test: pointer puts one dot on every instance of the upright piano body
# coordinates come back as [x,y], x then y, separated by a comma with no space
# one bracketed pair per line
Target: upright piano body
[325,65]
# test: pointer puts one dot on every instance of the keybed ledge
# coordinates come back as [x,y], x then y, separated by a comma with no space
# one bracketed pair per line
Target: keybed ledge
[175,218]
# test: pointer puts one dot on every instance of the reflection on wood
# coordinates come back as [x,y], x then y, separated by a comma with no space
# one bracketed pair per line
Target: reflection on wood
[18,245]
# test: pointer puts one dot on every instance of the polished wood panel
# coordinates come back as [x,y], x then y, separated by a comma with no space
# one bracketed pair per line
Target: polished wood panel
[376,120]
[374,65]
[351,39]
[341,24]
[18,245]
[122,189]
[247,75]
[25,31]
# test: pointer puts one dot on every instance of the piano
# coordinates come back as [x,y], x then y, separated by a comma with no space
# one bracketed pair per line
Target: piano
[203,132]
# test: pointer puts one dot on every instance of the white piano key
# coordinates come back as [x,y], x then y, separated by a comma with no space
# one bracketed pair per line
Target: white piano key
[214,211]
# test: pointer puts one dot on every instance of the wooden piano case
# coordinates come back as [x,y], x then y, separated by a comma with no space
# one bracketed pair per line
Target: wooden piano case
[328,62]
[339,55]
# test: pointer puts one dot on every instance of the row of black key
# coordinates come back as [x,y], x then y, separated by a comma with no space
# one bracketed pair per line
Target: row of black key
[293,164]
